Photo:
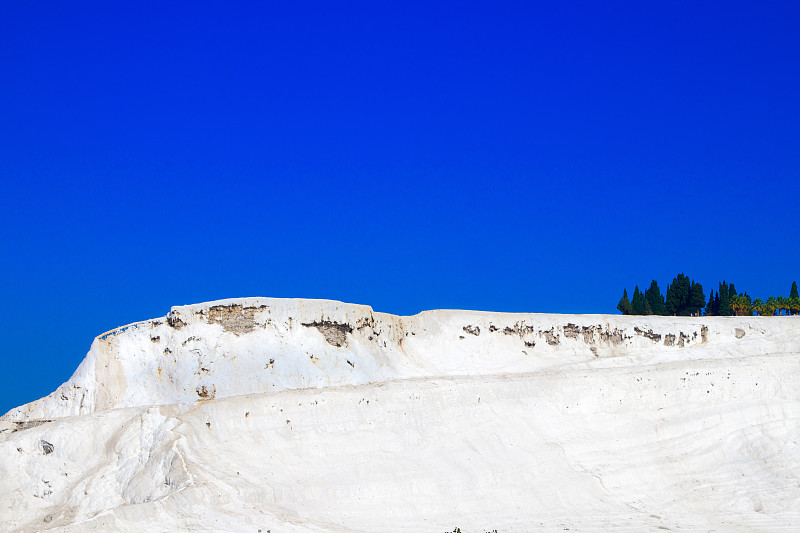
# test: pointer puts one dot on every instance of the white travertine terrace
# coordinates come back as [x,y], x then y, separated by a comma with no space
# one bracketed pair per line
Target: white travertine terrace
[318,416]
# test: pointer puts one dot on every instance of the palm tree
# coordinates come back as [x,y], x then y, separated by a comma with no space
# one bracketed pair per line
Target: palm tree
[741,305]
[758,306]
[794,305]
[737,305]
[783,305]
[771,305]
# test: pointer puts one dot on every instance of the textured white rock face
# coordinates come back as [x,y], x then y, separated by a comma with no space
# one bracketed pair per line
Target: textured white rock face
[310,415]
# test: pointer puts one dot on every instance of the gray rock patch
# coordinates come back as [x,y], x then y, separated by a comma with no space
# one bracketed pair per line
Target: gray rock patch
[335,333]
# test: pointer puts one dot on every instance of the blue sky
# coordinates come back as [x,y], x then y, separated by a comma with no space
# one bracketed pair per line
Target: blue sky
[498,156]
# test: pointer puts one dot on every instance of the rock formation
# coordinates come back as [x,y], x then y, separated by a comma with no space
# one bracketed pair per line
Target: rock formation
[263,414]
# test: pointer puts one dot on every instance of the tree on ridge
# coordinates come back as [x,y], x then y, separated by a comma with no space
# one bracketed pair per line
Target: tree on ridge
[653,297]
[794,299]
[677,302]
[624,304]
[697,298]
[724,300]
[637,304]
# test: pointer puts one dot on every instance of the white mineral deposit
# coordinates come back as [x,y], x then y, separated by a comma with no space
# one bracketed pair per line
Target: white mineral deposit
[279,415]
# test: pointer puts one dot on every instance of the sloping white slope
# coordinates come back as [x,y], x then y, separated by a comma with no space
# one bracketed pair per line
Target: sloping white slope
[308,416]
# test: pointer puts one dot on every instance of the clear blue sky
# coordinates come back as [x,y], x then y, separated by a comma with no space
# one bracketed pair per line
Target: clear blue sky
[498,156]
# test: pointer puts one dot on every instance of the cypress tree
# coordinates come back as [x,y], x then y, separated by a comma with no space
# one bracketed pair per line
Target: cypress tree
[684,288]
[670,306]
[654,298]
[716,304]
[710,304]
[724,299]
[624,304]
[793,292]
[637,304]
[678,296]
[647,309]
[697,299]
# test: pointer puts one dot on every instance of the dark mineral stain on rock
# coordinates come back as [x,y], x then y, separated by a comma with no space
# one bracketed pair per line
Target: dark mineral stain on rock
[551,337]
[655,337]
[27,424]
[683,339]
[335,333]
[46,447]
[206,393]
[571,331]
[524,332]
[174,321]
[613,337]
[366,322]
[234,318]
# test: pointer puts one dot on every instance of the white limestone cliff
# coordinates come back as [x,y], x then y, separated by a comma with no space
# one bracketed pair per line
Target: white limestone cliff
[312,415]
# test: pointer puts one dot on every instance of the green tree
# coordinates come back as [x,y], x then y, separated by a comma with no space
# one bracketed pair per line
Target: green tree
[736,305]
[637,304]
[677,302]
[794,297]
[654,298]
[647,309]
[783,305]
[697,298]
[770,306]
[624,304]
[794,305]
[724,300]
[741,305]
[710,305]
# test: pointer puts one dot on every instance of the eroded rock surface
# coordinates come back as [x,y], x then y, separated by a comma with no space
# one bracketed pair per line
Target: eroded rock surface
[235,318]
[314,416]
[335,334]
